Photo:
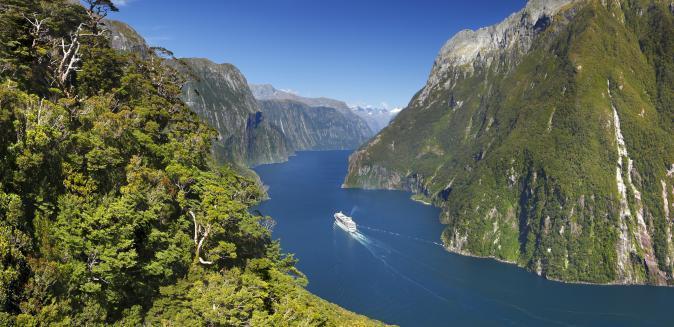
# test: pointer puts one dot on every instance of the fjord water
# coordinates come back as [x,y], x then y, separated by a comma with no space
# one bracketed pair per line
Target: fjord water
[394,270]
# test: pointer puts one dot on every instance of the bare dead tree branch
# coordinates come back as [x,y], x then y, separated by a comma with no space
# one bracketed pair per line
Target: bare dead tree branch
[200,235]
[37,31]
[268,223]
[70,58]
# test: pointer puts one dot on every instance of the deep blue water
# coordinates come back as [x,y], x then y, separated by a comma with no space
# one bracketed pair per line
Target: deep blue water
[396,272]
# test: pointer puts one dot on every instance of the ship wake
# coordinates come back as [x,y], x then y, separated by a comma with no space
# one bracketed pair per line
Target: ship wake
[413,238]
[382,252]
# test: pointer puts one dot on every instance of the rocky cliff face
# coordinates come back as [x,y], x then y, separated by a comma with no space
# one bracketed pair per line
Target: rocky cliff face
[315,128]
[124,38]
[219,94]
[547,140]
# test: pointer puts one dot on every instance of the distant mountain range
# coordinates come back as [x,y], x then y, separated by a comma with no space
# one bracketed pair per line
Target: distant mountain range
[268,92]
[316,128]
[376,118]
[312,123]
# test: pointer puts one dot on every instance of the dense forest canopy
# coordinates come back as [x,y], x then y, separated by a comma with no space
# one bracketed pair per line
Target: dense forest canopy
[112,210]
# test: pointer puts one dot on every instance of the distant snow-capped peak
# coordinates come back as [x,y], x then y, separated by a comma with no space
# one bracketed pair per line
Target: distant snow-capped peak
[372,110]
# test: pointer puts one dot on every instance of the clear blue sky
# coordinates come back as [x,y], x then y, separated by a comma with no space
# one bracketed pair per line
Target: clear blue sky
[359,51]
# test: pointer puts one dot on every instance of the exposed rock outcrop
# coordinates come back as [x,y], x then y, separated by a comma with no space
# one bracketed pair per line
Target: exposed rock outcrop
[124,38]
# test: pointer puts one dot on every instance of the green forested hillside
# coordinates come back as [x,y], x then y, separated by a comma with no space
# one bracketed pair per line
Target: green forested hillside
[111,208]
[548,141]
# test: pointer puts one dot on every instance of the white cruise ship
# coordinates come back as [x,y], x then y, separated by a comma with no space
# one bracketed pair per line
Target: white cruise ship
[345,222]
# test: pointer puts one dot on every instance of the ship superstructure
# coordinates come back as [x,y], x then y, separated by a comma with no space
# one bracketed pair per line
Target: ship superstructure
[345,222]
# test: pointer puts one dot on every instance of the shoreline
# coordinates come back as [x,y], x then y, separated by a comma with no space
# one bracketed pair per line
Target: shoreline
[467,254]
[610,284]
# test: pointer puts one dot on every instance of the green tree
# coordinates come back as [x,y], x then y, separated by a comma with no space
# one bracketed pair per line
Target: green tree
[112,210]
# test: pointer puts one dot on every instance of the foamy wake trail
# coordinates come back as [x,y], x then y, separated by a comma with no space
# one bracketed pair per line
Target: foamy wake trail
[399,235]
[381,252]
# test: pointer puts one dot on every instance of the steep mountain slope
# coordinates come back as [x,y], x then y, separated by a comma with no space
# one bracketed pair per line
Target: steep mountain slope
[547,140]
[219,94]
[315,128]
